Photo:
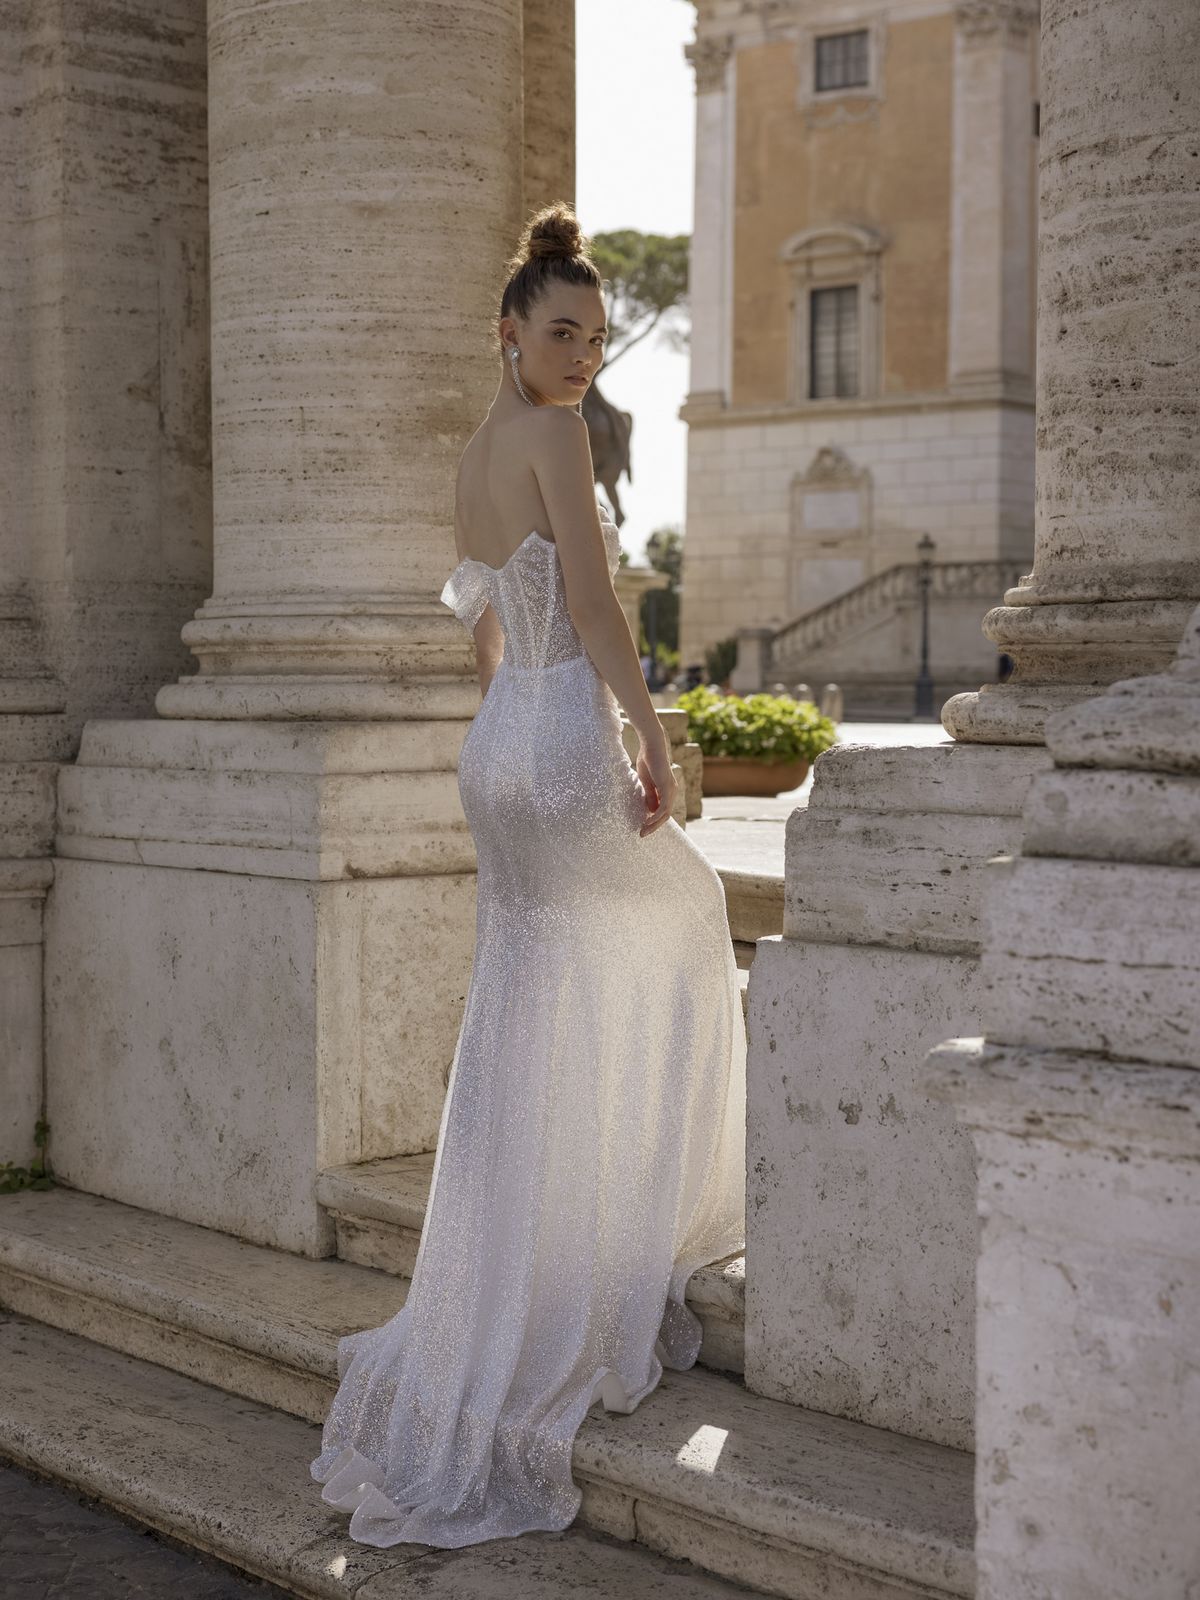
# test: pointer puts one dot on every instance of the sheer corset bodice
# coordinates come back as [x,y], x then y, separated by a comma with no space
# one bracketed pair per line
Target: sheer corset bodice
[528,596]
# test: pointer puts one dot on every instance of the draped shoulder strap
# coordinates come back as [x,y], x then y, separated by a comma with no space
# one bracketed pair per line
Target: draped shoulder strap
[466,593]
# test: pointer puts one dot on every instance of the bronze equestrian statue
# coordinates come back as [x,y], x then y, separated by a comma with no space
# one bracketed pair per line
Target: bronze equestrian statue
[609,431]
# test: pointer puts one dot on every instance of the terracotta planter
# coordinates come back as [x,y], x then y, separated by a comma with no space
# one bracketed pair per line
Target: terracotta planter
[744,775]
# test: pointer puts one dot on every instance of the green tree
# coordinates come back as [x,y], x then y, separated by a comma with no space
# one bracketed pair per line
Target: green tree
[647,288]
[647,291]
[664,552]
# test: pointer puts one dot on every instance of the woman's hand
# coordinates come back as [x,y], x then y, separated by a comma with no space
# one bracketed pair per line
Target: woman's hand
[657,779]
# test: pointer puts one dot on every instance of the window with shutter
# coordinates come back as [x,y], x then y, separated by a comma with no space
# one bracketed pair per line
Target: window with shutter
[833,364]
[841,60]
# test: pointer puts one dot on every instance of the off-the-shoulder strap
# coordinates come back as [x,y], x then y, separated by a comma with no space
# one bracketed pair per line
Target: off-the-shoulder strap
[466,593]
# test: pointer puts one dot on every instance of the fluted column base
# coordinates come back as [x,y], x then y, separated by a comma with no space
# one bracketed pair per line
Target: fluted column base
[365,660]
[1064,653]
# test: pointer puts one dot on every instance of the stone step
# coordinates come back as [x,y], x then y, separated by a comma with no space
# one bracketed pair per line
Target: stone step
[378,1211]
[230,1477]
[789,1502]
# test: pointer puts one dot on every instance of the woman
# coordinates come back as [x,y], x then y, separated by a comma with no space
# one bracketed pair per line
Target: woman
[591,1150]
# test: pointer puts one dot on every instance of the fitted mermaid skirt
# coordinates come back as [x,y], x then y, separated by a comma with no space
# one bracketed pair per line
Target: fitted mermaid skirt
[591,1149]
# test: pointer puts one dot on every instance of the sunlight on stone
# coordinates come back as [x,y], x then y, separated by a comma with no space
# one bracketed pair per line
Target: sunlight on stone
[703,1449]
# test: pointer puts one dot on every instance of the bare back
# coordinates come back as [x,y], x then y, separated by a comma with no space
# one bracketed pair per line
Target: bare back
[497,499]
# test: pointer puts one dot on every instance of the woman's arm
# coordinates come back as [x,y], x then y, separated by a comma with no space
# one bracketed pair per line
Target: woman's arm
[562,465]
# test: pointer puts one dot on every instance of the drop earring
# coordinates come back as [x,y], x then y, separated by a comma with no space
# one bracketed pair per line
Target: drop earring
[513,353]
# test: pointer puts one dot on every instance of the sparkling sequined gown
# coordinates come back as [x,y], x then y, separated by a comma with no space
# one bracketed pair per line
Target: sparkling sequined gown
[591,1150]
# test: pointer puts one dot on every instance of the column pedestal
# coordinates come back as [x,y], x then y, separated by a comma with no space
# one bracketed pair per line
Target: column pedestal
[258,952]
[860,1207]
[1083,1102]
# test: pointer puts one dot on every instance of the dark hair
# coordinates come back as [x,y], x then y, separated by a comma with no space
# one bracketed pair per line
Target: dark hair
[552,248]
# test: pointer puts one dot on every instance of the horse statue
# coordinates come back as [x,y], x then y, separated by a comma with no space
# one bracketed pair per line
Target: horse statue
[609,431]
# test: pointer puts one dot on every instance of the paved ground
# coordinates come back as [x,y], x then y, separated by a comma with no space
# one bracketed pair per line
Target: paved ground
[58,1545]
[747,831]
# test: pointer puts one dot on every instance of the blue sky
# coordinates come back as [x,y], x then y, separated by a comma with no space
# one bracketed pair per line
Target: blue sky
[635,131]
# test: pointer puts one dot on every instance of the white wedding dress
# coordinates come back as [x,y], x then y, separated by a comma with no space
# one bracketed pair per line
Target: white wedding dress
[592,1146]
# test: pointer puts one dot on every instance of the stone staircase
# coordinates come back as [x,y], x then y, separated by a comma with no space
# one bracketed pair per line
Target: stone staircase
[785,1502]
[181,1375]
[866,639]
[378,1209]
[226,1476]
[884,592]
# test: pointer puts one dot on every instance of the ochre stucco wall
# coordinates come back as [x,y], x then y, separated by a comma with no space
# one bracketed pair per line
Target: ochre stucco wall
[889,169]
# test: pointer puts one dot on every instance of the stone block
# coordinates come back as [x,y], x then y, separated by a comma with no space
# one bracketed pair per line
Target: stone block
[1088,1304]
[214,1039]
[1094,956]
[892,847]
[861,1229]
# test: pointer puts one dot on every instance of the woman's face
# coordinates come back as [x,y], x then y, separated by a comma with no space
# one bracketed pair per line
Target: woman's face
[562,343]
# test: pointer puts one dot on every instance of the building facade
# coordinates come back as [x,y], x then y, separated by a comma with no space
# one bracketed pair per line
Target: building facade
[863,289]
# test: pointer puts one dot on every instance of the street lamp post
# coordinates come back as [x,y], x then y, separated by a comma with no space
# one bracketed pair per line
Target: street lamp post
[924,685]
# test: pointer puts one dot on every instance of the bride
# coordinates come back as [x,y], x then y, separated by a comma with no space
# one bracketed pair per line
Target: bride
[591,1149]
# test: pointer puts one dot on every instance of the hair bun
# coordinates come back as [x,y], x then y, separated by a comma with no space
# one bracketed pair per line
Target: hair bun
[552,249]
[554,231]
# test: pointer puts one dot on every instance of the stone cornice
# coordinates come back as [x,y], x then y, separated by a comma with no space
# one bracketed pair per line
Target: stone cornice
[984,19]
[708,415]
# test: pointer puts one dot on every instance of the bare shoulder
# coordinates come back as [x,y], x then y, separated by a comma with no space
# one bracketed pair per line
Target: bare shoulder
[564,417]
[557,437]
[556,424]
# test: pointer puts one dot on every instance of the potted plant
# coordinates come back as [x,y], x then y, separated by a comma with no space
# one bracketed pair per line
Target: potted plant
[757,744]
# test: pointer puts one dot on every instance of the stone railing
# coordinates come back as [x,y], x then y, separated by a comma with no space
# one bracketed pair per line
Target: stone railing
[887,591]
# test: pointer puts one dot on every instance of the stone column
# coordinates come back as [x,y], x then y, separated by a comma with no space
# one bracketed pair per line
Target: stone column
[35,739]
[104,534]
[1083,1101]
[1116,567]
[263,917]
[549,94]
[994,198]
[104,341]
[710,268]
[710,258]
[349,154]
